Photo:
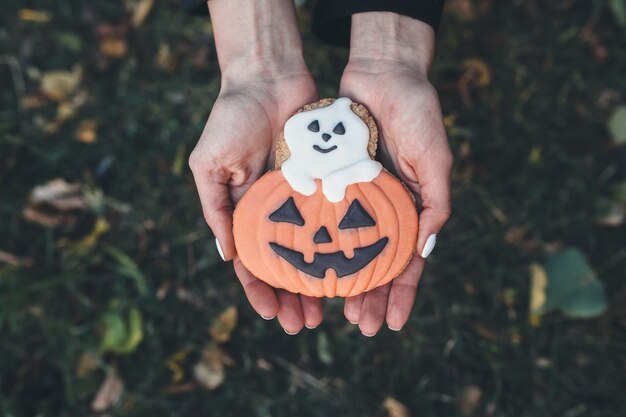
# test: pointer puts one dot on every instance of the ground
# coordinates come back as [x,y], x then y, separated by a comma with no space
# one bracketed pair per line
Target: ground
[113,298]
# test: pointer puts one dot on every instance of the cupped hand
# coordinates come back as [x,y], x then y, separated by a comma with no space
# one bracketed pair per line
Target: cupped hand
[414,146]
[234,150]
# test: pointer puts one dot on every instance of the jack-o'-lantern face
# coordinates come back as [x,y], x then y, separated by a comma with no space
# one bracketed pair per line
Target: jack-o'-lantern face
[308,245]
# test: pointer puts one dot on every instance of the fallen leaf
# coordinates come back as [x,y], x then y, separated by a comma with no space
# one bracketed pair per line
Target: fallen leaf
[140,12]
[14,260]
[617,125]
[223,326]
[86,131]
[36,16]
[538,285]
[59,85]
[479,71]
[175,364]
[610,213]
[210,370]
[179,388]
[121,334]
[395,408]
[59,194]
[108,394]
[113,47]
[88,362]
[469,399]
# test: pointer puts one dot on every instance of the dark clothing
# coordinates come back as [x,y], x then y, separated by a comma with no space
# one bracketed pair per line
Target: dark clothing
[331,18]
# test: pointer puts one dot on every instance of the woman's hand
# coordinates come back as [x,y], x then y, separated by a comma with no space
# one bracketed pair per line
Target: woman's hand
[264,79]
[390,56]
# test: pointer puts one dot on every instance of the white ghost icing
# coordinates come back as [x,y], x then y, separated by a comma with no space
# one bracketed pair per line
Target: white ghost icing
[338,160]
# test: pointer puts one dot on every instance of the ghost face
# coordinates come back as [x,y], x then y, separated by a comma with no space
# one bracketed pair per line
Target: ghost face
[327,138]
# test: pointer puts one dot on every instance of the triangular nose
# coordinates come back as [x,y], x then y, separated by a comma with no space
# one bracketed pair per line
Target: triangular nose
[322,236]
[326,137]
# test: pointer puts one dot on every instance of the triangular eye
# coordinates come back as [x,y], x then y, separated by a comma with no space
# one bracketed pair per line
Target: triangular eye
[287,213]
[339,129]
[314,126]
[356,216]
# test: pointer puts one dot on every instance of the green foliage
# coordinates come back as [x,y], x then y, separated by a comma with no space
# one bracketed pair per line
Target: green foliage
[573,286]
[121,334]
[617,125]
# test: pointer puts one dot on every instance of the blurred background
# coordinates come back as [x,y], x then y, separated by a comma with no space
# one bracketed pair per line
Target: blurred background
[114,301]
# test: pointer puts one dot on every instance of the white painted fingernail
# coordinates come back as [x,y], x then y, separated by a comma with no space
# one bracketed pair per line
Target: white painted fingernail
[266,318]
[429,246]
[291,334]
[219,249]
[393,329]
[369,335]
[353,322]
[310,327]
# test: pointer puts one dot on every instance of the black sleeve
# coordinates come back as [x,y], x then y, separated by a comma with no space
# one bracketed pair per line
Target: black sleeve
[332,18]
[198,7]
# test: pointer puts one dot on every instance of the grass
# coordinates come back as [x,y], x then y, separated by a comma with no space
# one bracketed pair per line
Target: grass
[533,161]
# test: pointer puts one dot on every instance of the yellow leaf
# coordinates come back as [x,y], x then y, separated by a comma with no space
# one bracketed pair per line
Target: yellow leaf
[538,285]
[175,364]
[59,85]
[36,16]
[395,408]
[224,324]
[86,131]
[113,46]
[141,12]
[479,70]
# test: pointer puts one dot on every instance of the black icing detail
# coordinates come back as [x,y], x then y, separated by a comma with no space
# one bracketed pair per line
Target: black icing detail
[326,137]
[287,213]
[322,150]
[339,129]
[356,216]
[314,126]
[335,260]
[322,236]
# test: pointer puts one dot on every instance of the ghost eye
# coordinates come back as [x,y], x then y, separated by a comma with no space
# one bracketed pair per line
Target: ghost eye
[314,126]
[356,216]
[339,129]
[287,213]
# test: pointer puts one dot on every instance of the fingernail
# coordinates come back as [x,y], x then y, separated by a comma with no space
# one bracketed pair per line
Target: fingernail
[291,334]
[266,318]
[369,335]
[310,327]
[393,329]
[219,249]
[353,322]
[429,246]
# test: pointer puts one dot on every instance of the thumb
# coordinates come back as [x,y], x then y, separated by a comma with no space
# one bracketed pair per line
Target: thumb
[214,196]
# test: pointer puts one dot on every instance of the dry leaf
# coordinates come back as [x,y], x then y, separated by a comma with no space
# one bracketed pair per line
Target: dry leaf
[113,47]
[209,371]
[108,394]
[37,16]
[88,362]
[165,59]
[14,260]
[223,325]
[141,12]
[175,364]
[538,285]
[479,71]
[50,204]
[395,408]
[59,85]
[86,131]
[468,10]
[469,399]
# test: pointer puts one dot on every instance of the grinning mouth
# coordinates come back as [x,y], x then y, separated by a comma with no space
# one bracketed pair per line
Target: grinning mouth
[322,150]
[334,260]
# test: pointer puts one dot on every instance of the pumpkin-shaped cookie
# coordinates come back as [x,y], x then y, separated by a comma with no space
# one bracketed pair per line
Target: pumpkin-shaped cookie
[331,222]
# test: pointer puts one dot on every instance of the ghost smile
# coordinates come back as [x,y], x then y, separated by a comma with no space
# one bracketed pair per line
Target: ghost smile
[322,150]
[334,260]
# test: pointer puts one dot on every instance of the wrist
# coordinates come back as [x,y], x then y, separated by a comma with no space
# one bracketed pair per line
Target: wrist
[257,39]
[381,41]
